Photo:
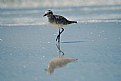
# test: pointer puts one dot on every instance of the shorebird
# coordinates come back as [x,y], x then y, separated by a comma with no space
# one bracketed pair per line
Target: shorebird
[57,20]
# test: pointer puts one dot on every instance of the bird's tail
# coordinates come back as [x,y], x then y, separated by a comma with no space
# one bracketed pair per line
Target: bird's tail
[70,22]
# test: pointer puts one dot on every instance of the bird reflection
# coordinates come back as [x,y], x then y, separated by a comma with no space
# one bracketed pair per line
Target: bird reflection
[59,49]
[58,62]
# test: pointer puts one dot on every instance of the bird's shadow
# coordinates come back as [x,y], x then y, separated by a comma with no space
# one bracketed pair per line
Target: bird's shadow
[73,41]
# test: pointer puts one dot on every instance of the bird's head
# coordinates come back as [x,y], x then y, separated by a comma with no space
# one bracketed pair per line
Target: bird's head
[48,12]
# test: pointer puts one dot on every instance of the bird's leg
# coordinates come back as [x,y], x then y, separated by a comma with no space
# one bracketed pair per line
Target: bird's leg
[58,46]
[58,40]
[62,30]
[58,37]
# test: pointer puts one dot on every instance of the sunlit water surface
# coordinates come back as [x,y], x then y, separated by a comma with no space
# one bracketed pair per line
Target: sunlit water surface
[27,44]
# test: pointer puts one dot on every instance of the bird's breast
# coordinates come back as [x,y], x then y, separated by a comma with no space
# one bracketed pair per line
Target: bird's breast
[55,23]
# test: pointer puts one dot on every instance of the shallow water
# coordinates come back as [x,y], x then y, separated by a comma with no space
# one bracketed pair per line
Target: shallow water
[27,44]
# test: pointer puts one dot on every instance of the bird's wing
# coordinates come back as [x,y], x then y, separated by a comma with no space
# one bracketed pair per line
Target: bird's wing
[60,19]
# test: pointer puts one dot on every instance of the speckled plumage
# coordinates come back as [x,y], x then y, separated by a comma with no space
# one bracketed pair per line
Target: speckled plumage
[57,19]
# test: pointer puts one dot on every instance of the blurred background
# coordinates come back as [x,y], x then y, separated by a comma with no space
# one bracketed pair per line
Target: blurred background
[54,3]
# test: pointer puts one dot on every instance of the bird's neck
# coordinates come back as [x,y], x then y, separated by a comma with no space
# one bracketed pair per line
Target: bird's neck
[50,16]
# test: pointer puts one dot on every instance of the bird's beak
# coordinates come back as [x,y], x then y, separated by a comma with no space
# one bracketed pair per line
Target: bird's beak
[44,15]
